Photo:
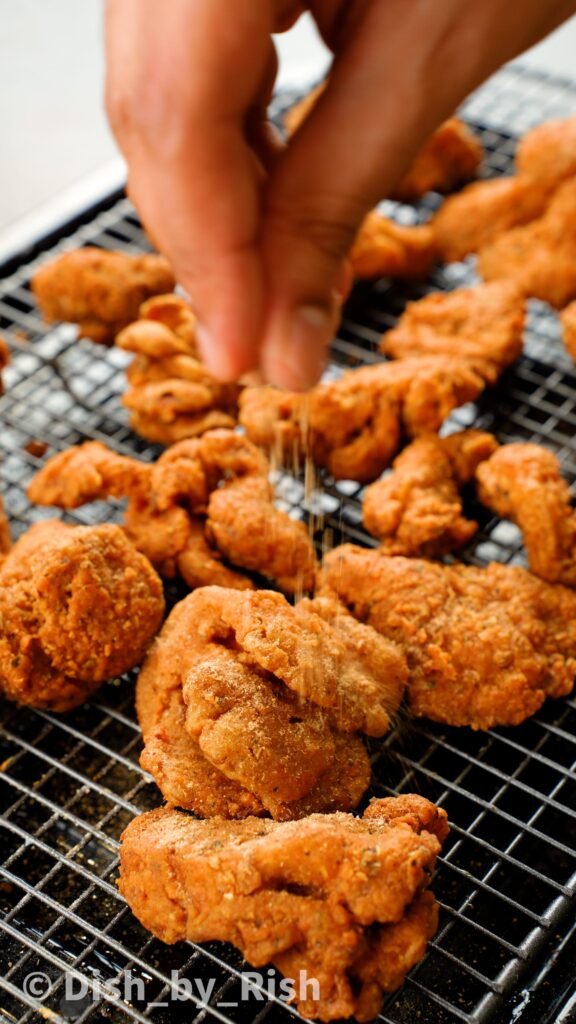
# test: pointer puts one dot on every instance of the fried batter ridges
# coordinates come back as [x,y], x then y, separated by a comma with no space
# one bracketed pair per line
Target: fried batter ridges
[221,477]
[78,605]
[271,697]
[484,646]
[482,211]
[547,153]
[383,248]
[483,325]
[171,394]
[354,426]
[416,509]
[101,291]
[339,898]
[522,482]
[539,258]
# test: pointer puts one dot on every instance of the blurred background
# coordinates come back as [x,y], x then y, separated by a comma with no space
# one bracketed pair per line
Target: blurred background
[57,151]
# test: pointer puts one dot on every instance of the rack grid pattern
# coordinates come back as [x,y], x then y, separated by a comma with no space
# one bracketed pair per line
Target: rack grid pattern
[70,784]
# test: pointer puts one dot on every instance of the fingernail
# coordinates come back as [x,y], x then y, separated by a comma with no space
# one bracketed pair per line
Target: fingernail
[217,361]
[297,351]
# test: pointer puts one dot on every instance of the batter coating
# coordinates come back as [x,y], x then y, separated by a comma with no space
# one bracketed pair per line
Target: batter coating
[171,394]
[99,290]
[539,258]
[383,248]
[483,325]
[480,212]
[204,500]
[484,647]
[78,605]
[341,898]
[417,509]
[271,697]
[354,426]
[523,482]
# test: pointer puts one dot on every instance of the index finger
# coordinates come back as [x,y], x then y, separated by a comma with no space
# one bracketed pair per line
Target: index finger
[181,79]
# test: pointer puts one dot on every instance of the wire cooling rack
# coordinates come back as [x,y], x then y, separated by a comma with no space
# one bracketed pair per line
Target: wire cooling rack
[69,784]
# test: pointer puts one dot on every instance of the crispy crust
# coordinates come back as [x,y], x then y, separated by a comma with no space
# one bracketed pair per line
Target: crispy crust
[476,216]
[523,482]
[354,426]
[547,153]
[383,248]
[539,258]
[171,395]
[484,646]
[417,509]
[451,156]
[78,605]
[269,696]
[190,509]
[100,291]
[338,897]
[483,325]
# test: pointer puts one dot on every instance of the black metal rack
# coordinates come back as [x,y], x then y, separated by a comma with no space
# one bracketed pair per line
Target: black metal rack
[70,784]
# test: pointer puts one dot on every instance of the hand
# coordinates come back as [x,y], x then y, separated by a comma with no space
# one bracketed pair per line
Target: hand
[257,233]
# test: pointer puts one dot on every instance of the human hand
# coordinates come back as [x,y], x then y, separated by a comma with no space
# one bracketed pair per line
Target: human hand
[257,233]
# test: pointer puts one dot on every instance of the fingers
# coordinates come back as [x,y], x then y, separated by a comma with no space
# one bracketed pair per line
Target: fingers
[355,144]
[401,67]
[182,79]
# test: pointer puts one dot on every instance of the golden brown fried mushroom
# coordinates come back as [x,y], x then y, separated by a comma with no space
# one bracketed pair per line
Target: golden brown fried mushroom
[171,394]
[523,482]
[383,248]
[451,156]
[539,258]
[476,216]
[78,605]
[271,697]
[101,291]
[339,898]
[203,500]
[484,647]
[354,426]
[547,153]
[417,509]
[483,325]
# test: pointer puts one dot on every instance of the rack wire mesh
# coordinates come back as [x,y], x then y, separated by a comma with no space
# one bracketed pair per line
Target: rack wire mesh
[69,784]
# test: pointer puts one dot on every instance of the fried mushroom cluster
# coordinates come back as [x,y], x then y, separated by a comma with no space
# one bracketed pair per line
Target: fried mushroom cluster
[484,646]
[354,426]
[78,605]
[99,290]
[171,395]
[251,706]
[204,506]
[417,508]
[343,899]
[483,325]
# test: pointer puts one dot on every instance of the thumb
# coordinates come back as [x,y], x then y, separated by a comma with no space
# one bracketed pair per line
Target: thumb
[401,67]
[356,143]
